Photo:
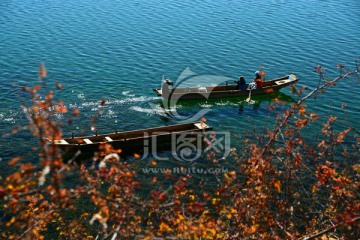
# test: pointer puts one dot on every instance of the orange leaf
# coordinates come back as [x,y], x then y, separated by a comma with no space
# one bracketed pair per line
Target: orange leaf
[342,135]
[76,112]
[13,161]
[277,185]
[42,71]
[61,109]
[164,227]
[314,116]
[37,87]
[321,144]
[11,221]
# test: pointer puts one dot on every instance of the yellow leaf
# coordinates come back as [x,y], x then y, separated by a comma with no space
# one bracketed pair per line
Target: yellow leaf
[11,221]
[164,227]
[214,200]
[253,229]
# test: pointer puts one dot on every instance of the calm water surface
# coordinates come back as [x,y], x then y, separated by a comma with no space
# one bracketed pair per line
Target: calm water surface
[119,50]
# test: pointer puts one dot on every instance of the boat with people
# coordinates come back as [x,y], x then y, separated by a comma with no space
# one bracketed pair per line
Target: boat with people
[129,140]
[223,91]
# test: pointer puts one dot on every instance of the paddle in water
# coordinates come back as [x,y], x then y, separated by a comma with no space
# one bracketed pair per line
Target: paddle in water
[249,98]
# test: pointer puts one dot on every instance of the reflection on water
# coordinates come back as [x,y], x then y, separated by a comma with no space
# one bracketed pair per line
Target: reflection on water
[223,106]
[256,101]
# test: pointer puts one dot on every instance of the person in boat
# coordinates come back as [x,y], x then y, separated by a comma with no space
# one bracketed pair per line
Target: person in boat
[241,84]
[258,79]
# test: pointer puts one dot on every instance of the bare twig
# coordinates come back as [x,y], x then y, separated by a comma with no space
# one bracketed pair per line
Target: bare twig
[291,111]
[70,161]
[332,228]
[326,84]
[37,223]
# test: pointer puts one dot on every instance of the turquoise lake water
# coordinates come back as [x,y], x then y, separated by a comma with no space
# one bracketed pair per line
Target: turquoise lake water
[119,50]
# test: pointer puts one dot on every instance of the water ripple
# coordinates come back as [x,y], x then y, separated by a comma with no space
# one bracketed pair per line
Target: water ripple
[119,51]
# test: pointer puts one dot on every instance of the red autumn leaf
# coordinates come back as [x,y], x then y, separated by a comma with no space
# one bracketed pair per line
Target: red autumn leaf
[50,95]
[13,161]
[61,109]
[36,87]
[342,135]
[277,185]
[314,116]
[321,144]
[300,123]
[42,71]
[76,112]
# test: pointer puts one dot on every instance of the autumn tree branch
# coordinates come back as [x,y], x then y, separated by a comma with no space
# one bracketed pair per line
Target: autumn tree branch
[332,228]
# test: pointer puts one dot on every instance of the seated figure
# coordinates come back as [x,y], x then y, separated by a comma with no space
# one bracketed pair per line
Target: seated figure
[258,80]
[241,84]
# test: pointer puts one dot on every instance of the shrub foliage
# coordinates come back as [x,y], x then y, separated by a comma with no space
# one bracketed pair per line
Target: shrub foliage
[282,185]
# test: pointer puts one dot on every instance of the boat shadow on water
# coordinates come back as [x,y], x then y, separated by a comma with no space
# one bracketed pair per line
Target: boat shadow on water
[241,103]
[256,101]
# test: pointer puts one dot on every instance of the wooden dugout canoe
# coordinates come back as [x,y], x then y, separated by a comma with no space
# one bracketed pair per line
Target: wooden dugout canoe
[131,140]
[223,91]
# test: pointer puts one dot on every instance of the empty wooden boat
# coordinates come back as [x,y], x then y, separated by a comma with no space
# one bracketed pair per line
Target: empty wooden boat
[136,139]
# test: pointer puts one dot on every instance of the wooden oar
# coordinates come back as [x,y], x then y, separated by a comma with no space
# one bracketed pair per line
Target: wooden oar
[249,98]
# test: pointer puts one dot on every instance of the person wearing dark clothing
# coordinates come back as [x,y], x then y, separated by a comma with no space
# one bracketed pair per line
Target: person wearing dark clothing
[241,84]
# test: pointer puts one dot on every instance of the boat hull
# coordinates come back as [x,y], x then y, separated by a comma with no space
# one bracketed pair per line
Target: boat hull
[131,141]
[225,91]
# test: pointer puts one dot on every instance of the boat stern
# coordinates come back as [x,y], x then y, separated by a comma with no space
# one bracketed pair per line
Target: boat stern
[61,143]
[158,91]
[293,78]
[202,126]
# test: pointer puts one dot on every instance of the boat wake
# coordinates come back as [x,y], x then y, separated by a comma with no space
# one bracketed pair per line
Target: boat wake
[251,102]
[128,93]
[111,102]
[154,110]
